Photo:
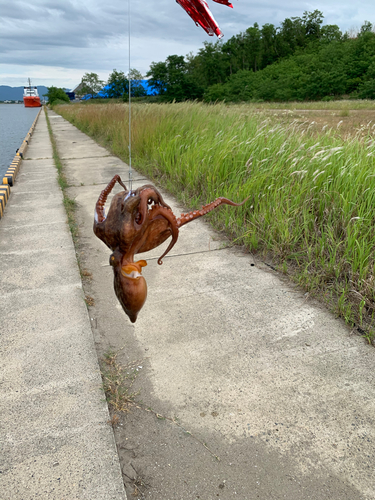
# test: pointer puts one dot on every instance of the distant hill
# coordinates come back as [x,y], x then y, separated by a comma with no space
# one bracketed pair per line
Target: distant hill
[16,93]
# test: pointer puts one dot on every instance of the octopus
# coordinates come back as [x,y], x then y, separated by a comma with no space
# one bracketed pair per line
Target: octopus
[138,221]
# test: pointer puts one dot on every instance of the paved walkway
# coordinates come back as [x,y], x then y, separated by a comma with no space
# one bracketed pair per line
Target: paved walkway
[54,437]
[273,384]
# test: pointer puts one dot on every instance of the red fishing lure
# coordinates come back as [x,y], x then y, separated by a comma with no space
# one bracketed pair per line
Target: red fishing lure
[200,13]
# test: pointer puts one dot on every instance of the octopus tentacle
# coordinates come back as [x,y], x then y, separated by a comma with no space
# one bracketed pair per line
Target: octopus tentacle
[146,195]
[158,212]
[154,190]
[195,214]
[99,207]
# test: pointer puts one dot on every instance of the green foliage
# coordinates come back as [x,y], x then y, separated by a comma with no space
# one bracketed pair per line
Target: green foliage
[137,89]
[172,80]
[321,71]
[56,94]
[300,60]
[158,77]
[218,92]
[367,90]
[210,65]
[90,84]
[119,84]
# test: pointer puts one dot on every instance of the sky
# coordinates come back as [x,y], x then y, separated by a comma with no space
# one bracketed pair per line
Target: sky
[56,42]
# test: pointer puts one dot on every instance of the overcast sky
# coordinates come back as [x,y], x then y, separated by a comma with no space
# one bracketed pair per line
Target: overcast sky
[55,42]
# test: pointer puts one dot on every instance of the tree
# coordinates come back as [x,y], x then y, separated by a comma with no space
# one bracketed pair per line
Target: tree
[269,51]
[137,89]
[312,22]
[253,46]
[231,50]
[212,65]
[330,32]
[117,84]
[166,75]
[299,60]
[292,35]
[158,74]
[367,90]
[135,75]
[90,83]
[172,80]
[360,57]
[55,94]
[366,28]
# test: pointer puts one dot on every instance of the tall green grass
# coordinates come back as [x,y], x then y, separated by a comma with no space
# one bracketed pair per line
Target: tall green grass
[312,198]
[344,104]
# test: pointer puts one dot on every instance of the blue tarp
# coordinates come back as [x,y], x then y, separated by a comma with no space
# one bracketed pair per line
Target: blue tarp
[103,93]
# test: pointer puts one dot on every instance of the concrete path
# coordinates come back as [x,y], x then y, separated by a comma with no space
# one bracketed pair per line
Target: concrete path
[252,372]
[54,437]
[276,386]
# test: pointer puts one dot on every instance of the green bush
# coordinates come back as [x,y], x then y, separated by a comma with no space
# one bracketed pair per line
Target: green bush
[367,90]
[56,96]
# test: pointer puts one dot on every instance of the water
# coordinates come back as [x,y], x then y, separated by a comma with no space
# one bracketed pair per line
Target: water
[15,122]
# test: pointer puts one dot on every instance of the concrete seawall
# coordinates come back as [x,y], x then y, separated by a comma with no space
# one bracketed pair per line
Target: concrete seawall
[54,435]
[11,173]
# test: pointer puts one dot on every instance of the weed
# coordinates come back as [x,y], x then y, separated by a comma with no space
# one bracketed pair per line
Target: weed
[86,275]
[138,482]
[69,204]
[114,420]
[117,383]
[70,208]
[370,336]
[89,300]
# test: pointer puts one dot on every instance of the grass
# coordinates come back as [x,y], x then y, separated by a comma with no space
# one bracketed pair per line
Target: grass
[117,383]
[70,204]
[312,191]
[320,105]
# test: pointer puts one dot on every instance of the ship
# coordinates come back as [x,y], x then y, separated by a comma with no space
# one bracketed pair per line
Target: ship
[31,97]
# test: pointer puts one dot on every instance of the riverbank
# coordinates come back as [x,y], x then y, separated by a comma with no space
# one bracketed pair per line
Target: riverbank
[229,361]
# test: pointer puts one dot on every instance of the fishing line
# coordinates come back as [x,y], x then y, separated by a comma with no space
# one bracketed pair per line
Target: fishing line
[130,114]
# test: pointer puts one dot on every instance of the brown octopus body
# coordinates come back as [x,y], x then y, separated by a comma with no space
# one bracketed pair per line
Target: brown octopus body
[137,222]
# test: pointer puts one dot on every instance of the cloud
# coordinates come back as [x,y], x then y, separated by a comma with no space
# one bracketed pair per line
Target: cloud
[55,42]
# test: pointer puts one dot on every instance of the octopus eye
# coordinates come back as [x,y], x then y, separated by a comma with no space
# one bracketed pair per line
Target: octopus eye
[149,201]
